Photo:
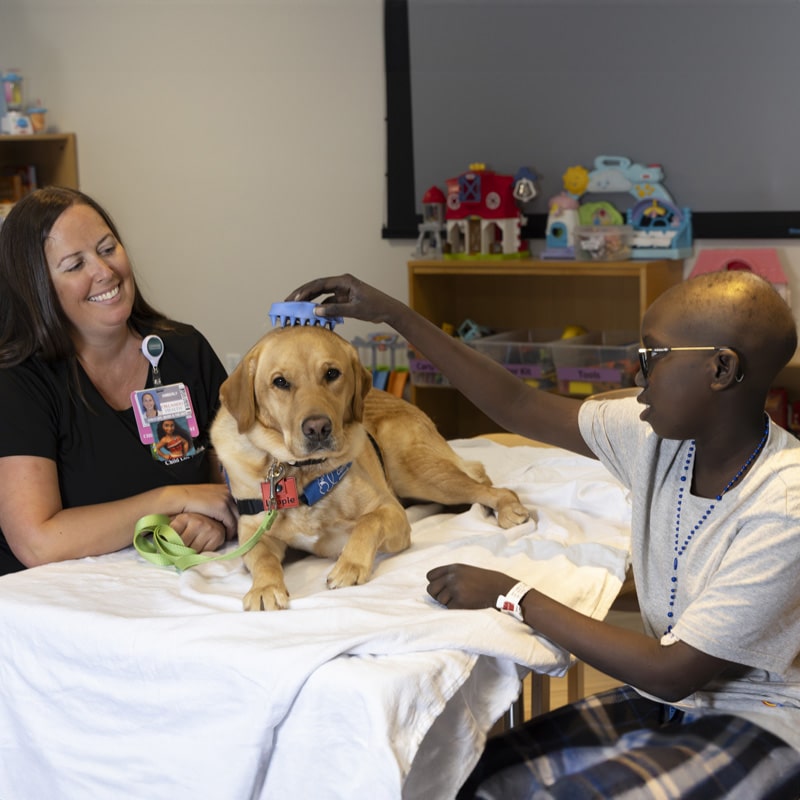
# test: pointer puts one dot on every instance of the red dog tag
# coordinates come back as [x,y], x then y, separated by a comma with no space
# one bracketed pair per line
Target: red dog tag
[285,494]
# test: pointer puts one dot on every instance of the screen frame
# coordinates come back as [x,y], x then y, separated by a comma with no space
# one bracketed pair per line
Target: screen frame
[402,219]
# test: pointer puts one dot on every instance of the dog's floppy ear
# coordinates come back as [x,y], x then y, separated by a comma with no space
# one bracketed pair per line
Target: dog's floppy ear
[362,385]
[238,395]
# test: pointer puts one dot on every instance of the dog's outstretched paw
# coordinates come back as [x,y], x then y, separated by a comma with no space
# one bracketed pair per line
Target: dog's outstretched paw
[511,513]
[347,573]
[266,598]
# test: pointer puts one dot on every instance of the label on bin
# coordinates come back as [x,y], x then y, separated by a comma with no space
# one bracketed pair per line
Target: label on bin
[525,371]
[593,374]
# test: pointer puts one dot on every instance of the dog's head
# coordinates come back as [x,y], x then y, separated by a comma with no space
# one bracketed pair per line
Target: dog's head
[303,387]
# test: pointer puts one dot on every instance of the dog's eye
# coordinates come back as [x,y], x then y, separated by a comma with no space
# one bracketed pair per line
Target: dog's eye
[280,383]
[332,374]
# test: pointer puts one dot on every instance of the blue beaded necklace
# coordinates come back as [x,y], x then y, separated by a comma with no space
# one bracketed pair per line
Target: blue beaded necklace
[679,548]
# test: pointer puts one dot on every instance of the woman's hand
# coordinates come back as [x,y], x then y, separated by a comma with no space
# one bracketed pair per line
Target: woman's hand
[199,532]
[211,502]
[349,297]
[464,586]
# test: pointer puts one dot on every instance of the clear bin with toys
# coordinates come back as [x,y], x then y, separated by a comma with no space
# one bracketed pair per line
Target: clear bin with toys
[599,361]
[528,354]
[384,353]
[424,372]
[603,242]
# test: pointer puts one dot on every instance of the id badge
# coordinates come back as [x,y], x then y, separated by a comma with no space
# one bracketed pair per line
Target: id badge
[152,407]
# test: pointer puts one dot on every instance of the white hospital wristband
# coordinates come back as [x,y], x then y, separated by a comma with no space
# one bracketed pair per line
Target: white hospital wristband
[510,602]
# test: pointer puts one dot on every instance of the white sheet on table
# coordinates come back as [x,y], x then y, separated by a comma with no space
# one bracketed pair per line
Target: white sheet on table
[119,675]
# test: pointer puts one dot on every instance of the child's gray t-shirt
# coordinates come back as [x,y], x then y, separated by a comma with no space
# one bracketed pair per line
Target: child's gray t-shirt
[738,589]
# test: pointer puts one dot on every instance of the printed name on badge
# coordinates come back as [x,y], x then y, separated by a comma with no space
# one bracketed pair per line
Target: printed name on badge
[160,403]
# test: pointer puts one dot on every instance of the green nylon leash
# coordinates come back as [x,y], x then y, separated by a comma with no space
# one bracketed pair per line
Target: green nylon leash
[158,542]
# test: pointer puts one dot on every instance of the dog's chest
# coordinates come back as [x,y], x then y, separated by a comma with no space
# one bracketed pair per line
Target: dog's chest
[315,529]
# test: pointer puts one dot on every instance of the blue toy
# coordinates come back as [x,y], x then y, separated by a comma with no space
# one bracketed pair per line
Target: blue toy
[618,174]
[288,314]
[660,230]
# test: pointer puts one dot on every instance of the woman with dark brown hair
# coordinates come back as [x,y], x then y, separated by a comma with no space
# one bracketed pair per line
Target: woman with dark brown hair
[74,474]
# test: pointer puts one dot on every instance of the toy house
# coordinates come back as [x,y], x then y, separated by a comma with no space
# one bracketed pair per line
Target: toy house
[764,261]
[657,227]
[432,227]
[482,218]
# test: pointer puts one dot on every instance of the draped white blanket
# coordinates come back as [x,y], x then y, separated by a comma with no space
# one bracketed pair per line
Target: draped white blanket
[119,679]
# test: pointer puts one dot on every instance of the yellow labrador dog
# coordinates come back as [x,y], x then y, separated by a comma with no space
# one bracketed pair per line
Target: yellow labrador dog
[302,430]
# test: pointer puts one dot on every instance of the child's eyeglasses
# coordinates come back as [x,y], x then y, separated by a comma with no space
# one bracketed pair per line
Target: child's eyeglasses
[646,354]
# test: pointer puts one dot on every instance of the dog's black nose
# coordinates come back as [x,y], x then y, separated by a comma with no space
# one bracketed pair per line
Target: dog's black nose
[317,428]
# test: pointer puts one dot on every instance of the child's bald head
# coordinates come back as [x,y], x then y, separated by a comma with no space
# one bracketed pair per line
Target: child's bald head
[736,309]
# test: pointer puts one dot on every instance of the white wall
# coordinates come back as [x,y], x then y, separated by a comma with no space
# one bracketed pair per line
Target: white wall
[239,144]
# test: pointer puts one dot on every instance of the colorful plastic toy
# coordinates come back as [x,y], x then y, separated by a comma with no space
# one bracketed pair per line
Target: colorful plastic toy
[660,230]
[482,217]
[600,212]
[432,227]
[764,261]
[561,223]
[289,314]
[619,174]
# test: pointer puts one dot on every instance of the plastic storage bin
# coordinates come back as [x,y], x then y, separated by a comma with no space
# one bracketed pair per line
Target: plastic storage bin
[424,372]
[603,242]
[528,354]
[597,362]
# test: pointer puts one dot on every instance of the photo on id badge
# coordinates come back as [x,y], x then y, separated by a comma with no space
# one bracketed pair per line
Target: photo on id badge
[159,403]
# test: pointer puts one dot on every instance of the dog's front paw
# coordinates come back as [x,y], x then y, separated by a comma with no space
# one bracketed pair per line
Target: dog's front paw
[347,573]
[266,598]
[511,512]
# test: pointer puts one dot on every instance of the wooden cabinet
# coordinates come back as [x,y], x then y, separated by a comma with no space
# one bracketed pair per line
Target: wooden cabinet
[523,294]
[55,156]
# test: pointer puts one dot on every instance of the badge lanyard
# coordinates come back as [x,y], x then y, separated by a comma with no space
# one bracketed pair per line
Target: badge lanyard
[164,402]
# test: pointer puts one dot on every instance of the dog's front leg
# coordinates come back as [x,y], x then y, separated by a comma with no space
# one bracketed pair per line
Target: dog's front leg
[265,562]
[385,529]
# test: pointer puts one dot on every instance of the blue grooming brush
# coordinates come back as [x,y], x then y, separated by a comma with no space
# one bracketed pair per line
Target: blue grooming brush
[288,314]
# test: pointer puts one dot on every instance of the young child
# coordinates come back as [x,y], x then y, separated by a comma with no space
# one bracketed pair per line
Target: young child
[711,705]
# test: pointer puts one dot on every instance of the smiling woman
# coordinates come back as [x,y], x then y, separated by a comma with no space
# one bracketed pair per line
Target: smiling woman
[75,474]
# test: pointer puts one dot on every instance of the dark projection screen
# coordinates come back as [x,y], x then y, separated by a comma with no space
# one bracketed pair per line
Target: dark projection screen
[708,89]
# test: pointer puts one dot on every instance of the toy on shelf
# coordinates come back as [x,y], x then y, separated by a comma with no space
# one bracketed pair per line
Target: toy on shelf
[386,356]
[432,227]
[599,213]
[12,118]
[36,114]
[660,229]
[482,215]
[764,261]
[562,220]
[469,330]
[426,373]
[619,174]
[603,242]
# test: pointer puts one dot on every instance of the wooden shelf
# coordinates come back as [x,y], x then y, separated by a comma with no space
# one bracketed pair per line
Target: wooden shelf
[55,156]
[530,293]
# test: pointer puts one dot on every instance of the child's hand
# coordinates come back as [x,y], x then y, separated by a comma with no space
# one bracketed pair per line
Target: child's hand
[464,586]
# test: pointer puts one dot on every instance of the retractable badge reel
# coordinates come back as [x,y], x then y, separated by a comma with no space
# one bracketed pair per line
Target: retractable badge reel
[162,402]
[153,349]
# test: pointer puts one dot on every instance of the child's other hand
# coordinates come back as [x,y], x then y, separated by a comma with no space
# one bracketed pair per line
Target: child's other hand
[465,586]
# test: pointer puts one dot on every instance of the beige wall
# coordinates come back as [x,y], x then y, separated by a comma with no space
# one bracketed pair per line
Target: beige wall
[239,144]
